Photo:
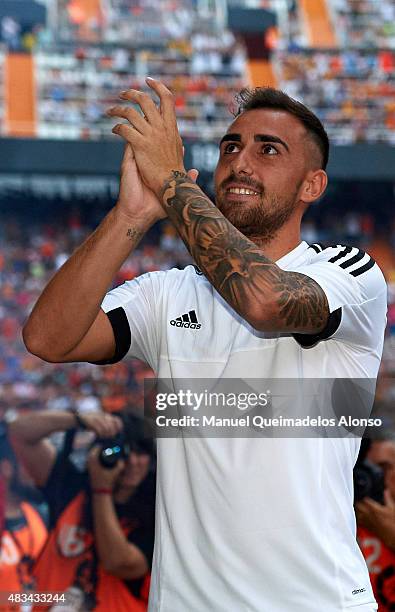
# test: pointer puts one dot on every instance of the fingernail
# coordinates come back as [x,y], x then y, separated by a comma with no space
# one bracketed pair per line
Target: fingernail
[149,79]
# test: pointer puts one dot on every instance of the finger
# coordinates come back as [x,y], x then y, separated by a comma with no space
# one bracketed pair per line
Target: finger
[134,117]
[371,505]
[128,154]
[363,506]
[120,465]
[93,454]
[167,107]
[388,499]
[145,102]
[193,174]
[127,133]
[111,426]
[128,157]
[118,423]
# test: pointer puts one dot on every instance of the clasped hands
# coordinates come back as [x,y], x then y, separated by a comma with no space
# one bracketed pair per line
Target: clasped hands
[153,135]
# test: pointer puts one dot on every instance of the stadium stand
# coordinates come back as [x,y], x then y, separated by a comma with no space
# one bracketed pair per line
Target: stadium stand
[75,89]
[353,92]
[352,89]
[364,23]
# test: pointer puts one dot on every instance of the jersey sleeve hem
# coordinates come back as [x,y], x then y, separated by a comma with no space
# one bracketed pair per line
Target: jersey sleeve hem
[333,324]
[122,335]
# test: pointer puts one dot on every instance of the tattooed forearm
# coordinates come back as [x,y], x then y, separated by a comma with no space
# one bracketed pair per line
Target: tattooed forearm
[264,294]
[134,234]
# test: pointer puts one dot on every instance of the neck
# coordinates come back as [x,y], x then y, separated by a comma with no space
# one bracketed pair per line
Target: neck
[286,239]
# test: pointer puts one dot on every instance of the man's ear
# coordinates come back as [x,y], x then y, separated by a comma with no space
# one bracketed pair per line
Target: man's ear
[314,186]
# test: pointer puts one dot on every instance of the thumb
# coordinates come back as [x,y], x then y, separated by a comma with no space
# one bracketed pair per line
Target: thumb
[193,174]
[128,154]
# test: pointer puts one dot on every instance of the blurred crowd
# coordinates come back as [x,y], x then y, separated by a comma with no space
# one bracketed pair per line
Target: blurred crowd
[75,88]
[352,89]
[368,24]
[27,260]
[353,92]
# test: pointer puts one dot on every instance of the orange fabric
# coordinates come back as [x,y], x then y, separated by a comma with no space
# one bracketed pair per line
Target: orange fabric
[68,546]
[31,538]
[382,252]
[320,32]
[261,73]
[381,564]
[20,95]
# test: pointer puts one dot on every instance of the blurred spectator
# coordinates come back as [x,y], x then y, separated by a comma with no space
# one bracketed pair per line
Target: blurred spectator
[10,32]
[100,544]
[24,533]
[376,525]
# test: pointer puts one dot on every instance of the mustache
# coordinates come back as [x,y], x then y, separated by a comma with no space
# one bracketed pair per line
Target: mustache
[242,180]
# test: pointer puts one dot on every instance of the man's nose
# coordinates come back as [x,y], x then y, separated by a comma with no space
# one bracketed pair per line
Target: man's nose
[242,163]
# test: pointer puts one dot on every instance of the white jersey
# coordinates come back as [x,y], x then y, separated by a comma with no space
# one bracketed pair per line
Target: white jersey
[255,525]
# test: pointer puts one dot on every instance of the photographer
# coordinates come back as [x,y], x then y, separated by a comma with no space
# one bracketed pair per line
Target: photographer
[376,525]
[100,544]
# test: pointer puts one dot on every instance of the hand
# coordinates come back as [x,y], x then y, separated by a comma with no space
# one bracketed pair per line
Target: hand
[101,477]
[378,519]
[135,198]
[154,137]
[102,424]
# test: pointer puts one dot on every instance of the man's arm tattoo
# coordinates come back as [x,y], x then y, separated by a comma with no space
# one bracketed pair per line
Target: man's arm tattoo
[237,267]
[134,234]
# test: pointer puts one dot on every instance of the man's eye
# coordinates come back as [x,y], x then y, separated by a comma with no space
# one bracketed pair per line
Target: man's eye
[269,150]
[231,147]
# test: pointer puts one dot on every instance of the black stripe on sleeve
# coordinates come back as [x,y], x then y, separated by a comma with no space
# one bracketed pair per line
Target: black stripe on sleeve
[309,340]
[349,262]
[364,268]
[122,335]
[341,254]
[315,248]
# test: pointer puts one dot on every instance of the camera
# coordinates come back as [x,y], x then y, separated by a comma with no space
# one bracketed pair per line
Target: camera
[133,437]
[112,450]
[368,477]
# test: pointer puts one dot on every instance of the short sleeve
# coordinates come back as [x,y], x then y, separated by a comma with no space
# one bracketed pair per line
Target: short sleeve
[357,299]
[132,309]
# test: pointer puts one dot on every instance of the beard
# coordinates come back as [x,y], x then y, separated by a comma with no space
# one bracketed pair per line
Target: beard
[260,219]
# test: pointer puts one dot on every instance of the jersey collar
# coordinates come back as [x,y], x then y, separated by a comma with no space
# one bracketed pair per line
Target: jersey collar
[289,258]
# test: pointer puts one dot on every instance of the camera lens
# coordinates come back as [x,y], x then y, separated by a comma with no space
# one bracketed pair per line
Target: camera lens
[109,455]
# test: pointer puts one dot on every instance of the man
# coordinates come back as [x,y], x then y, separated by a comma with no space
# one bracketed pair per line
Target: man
[376,526]
[24,533]
[261,525]
[101,521]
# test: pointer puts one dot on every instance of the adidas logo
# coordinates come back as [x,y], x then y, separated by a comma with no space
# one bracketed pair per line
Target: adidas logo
[188,320]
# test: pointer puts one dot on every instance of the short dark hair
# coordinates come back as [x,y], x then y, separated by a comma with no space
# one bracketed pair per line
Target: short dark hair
[268,97]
